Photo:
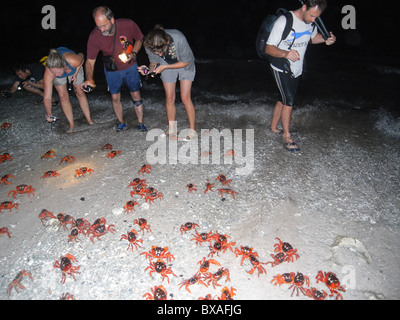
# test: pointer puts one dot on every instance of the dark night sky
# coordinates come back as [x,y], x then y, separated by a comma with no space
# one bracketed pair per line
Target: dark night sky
[215,29]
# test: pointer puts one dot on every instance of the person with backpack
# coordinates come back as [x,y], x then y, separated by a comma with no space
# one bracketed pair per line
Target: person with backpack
[287,59]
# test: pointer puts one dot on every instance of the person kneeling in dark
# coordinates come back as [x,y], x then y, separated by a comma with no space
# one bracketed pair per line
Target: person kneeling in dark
[29,77]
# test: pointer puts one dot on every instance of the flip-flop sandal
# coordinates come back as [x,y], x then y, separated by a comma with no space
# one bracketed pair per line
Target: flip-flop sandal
[291,146]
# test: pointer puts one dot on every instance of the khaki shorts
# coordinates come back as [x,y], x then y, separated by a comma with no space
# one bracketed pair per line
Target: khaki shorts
[172,75]
[80,78]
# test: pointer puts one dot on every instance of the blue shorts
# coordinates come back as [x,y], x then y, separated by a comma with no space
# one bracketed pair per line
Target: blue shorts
[130,77]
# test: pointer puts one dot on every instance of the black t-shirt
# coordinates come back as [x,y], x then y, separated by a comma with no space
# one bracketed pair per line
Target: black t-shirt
[37,72]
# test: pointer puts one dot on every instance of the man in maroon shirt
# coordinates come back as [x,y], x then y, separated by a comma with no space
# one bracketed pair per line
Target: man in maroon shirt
[108,37]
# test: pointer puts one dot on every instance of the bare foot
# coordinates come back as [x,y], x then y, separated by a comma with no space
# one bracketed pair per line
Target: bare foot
[280,132]
[70,130]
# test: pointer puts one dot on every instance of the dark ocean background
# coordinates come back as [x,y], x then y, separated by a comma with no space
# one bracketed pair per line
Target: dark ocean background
[361,65]
[215,29]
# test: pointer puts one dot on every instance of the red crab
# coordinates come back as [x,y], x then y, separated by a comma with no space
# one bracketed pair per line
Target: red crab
[316,294]
[137,182]
[74,235]
[223,238]
[16,283]
[191,187]
[98,222]
[191,281]
[229,191]
[107,147]
[246,252]
[298,281]
[48,154]
[5,156]
[287,249]
[202,237]
[284,278]
[130,206]
[215,277]
[278,259]
[223,180]
[113,154]
[66,267]
[67,296]
[146,168]
[70,159]
[140,190]
[6,125]
[257,265]
[205,265]
[159,253]
[23,188]
[46,215]
[209,186]
[220,246]
[227,294]
[153,195]
[161,268]
[207,297]
[8,205]
[142,223]
[158,293]
[188,226]
[5,178]
[65,219]
[82,225]
[131,236]
[82,171]
[332,282]
[5,230]
[98,229]
[49,174]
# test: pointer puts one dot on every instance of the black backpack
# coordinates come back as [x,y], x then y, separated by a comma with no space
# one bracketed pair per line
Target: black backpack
[265,31]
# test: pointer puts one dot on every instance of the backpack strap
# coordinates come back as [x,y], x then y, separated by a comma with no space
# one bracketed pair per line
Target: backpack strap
[288,28]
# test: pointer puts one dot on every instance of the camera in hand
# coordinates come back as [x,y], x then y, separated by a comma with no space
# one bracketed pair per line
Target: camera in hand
[147,72]
[52,118]
[20,85]
[70,86]
[87,88]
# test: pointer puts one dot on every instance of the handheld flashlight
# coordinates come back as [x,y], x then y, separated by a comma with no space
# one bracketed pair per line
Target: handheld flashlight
[126,50]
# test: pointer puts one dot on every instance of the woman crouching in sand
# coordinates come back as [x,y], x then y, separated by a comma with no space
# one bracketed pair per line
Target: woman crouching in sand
[62,64]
